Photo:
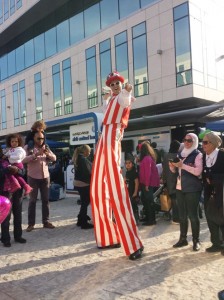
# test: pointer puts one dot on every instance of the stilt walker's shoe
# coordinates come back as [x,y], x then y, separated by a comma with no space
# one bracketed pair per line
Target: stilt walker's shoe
[136,255]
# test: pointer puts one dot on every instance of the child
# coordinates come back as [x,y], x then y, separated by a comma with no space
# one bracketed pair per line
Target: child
[132,182]
[15,156]
[37,126]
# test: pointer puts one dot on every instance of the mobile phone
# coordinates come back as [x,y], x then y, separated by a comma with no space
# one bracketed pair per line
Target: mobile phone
[175,160]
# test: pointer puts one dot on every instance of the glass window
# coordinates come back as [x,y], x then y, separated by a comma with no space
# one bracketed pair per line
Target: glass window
[6,9]
[22,96]
[126,7]
[106,16]
[4,67]
[62,35]
[15,104]
[138,30]
[39,48]
[67,86]
[105,60]
[18,3]
[20,58]
[92,20]
[1,11]
[91,52]
[11,63]
[3,110]
[38,96]
[29,54]
[140,61]
[57,90]
[76,28]
[180,11]
[91,72]
[50,42]
[147,2]
[121,54]
[12,7]
[182,46]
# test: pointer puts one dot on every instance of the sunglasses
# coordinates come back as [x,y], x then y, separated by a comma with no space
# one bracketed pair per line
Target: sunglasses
[188,140]
[205,142]
[40,139]
[116,83]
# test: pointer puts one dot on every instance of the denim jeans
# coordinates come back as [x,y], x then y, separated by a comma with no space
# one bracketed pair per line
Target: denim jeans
[188,205]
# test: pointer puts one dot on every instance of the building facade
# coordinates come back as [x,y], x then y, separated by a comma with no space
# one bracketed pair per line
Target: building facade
[55,56]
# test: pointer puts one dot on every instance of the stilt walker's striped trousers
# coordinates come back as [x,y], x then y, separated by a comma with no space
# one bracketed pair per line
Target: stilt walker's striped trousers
[113,217]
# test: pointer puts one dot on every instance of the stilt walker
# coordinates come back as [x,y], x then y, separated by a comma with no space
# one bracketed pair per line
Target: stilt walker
[114,221]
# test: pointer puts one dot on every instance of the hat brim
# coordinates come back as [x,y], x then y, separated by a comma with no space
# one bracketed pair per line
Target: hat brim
[112,78]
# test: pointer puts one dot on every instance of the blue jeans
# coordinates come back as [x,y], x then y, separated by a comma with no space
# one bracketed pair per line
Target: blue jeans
[188,205]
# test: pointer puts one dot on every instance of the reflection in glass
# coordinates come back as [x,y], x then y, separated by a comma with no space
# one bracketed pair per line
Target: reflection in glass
[92,20]
[15,104]
[18,3]
[67,86]
[147,2]
[4,67]
[180,11]
[50,42]
[22,96]
[62,35]
[76,28]
[126,7]
[105,60]
[11,63]
[20,59]
[29,53]
[38,96]
[121,54]
[12,7]
[57,90]
[6,9]
[3,110]
[107,17]
[91,72]
[1,12]
[140,65]
[39,47]
[182,45]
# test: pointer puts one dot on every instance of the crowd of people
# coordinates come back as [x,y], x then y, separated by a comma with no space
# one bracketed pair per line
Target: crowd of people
[184,172]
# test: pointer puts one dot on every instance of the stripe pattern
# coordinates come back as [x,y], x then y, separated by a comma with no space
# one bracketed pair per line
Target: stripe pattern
[113,217]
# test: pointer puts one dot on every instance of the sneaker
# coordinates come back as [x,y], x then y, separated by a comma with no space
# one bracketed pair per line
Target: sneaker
[30,228]
[48,225]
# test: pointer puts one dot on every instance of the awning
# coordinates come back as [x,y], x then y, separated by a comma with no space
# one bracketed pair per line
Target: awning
[187,116]
[216,126]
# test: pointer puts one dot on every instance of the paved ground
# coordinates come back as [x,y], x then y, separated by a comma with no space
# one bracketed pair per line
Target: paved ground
[64,263]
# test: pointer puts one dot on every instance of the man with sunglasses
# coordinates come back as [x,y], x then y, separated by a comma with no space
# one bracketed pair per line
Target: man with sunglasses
[109,195]
[38,178]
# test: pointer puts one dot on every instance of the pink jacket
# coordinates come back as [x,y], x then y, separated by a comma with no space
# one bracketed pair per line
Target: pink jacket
[148,173]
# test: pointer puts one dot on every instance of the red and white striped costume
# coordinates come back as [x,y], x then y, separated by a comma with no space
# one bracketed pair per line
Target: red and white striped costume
[109,195]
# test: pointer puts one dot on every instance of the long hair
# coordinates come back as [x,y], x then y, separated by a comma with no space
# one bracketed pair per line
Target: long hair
[14,136]
[79,150]
[146,150]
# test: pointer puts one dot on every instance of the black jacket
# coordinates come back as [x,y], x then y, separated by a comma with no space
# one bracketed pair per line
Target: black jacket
[83,169]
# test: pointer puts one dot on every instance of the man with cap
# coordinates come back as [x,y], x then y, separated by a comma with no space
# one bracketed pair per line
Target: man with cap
[109,195]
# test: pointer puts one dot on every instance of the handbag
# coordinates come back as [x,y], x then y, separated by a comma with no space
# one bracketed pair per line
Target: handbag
[165,201]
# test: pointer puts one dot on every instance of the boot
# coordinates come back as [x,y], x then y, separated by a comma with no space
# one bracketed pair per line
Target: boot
[196,245]
[181,243]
